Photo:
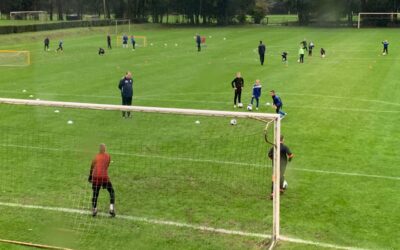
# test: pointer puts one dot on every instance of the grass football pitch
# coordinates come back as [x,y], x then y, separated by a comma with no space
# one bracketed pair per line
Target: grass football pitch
[342,125]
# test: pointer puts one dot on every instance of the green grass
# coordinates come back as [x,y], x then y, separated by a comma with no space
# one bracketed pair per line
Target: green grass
[343,118]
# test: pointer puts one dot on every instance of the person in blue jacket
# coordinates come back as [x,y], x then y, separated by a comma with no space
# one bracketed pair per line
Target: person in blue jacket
[126,88]
[277,103]
[256,93]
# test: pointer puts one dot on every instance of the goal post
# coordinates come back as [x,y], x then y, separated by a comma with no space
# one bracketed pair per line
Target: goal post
[379,18]
[185,165]
[14,58]
[122,26]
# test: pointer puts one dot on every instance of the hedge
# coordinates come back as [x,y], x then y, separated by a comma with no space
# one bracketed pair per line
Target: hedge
[52,26]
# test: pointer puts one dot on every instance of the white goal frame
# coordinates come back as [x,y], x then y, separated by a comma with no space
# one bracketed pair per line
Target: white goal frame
[122,20]
[39,13]
[275,118]
[374,13]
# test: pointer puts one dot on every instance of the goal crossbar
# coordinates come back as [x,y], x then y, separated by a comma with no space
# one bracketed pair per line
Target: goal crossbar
[373,13]
[143,109]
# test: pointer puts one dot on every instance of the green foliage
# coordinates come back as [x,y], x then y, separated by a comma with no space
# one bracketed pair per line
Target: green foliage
[259,11]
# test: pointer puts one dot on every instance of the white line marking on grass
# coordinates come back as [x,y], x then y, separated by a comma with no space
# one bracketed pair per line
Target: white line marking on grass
[344,109]
[318,244]
[396,178]
[348,174]
[178,224]
[343,97]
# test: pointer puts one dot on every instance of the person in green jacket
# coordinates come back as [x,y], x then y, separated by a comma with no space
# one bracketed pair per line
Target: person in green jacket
[301,55]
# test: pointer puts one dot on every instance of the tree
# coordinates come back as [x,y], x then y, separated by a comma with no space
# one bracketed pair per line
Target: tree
[259,11]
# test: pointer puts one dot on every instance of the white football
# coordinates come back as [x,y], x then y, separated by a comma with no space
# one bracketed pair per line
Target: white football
[268,104]
[197,122]
[233,122]
[249,107]
[240,105]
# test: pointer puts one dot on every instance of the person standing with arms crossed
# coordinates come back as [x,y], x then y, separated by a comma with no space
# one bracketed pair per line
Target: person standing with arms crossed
[126,88]
[261,52]
[98,176]
[237,85]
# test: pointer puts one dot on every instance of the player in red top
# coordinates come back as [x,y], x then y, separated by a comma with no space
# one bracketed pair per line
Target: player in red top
[98,176]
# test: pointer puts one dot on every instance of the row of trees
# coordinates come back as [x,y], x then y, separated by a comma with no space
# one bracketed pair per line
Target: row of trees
[205,11]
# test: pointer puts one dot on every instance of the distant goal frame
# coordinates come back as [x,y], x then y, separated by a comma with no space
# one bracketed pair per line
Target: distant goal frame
[39,13]
[28,61]
[373,13]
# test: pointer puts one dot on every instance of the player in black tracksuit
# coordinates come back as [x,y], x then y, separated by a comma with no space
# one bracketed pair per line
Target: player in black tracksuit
[198,42]
[238,84]
[261,52]
[109,41]
[46,44]
[126,87]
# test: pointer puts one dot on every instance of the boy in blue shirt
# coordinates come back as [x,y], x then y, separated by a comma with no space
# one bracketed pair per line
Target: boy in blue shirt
[256,93]
[60,46]
[385,47]
[277,103]
[124,41]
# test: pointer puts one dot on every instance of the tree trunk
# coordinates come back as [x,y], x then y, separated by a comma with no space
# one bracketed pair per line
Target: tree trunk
[349,14]
[60,10]
[51,9]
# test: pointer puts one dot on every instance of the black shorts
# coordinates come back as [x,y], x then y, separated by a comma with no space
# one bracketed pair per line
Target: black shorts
[104,185]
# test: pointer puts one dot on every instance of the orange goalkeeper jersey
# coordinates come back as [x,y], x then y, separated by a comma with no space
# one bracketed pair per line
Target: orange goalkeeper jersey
[100,166]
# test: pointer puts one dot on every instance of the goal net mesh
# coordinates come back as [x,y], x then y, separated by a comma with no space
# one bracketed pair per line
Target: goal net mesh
[14,58]
[191,169]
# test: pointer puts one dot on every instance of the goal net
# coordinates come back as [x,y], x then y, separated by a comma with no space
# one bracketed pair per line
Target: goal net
[140,41]
[13,58]
[375,19]
[175,172]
